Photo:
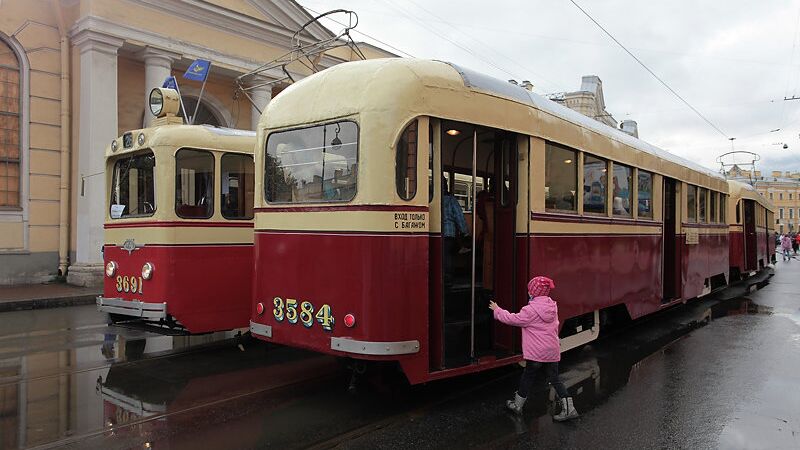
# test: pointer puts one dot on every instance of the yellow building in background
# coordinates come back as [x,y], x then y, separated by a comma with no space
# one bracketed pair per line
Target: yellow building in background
[74,74]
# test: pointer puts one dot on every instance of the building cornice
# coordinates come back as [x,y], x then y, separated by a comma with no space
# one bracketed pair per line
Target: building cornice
[90,39]
[101,26]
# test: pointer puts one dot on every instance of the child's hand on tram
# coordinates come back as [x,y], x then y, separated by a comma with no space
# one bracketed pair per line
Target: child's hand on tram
[493,305]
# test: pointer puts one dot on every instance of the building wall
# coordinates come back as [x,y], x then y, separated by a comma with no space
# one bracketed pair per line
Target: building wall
[29,235]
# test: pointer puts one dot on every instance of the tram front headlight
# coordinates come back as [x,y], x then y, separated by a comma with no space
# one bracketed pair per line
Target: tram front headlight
[147,270]
[114,145]
[111,269]
[140,139]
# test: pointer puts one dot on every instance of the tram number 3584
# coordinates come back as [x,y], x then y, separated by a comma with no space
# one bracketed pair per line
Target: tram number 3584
[288,310]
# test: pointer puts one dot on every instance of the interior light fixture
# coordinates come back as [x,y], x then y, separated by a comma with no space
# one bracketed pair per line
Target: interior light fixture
[453,132]
[567,161]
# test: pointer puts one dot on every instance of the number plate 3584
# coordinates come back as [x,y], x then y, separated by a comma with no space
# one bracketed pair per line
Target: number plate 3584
[291,311]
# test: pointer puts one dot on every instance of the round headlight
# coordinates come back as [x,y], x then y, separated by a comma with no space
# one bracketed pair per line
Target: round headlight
[147,270]
[156,101]
[111,269]
[114,145]
[140,139]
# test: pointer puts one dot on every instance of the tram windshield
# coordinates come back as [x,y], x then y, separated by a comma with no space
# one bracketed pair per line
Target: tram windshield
[315,164]
[133,188]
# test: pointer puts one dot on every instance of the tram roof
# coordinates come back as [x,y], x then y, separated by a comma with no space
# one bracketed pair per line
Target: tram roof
[375,74]
[737,190]
[195,136]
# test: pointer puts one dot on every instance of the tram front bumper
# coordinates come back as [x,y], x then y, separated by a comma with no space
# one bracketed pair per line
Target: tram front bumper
[132,308]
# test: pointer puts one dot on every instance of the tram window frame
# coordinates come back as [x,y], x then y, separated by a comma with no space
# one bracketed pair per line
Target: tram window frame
[739,211]
[210,184]
[648,212]
[604,177]
[355,174]
[723,211]
[551,158]
[691,203]
[431,184]
[628,171]
[702,204]
[247,206]
[407,185]
[115,171]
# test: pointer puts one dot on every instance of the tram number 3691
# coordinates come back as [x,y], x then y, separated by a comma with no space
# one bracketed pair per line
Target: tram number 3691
[129,284]
[287,310]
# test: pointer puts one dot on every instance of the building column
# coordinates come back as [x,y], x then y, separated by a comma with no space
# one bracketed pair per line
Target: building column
[261,96]
[97,128]
[157,67]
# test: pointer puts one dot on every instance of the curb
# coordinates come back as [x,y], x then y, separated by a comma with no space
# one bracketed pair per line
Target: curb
[45,303]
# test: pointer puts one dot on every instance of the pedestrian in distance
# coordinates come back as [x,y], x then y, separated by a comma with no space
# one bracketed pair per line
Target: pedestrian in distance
[540,344]
[796,243]
[786,246]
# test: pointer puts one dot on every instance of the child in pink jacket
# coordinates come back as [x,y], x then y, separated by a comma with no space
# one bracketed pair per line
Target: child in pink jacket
[540,344]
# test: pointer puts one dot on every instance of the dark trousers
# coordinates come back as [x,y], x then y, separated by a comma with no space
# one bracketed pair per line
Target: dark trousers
[551,371]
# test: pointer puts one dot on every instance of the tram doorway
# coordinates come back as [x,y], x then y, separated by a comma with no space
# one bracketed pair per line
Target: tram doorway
[750,236]
[477,179]
[671,263]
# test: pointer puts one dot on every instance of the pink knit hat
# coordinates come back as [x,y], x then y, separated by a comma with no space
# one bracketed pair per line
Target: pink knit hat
[540,286]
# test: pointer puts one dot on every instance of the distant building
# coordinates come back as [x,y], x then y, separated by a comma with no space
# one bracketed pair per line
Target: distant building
[782,189]
[590,102]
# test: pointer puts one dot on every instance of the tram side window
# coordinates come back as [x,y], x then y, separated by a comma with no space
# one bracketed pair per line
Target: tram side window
[406,163]
[194,184]
[236,199]
[431,184]
[595,180]
[133,187]
[701,197]
[316,164]
[645,200]
[623,180]
[691,202]
[712,207]
[561,178]
[723,212]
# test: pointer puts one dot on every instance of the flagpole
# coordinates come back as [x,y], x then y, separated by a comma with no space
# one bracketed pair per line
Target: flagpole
[202,88]
[178,88]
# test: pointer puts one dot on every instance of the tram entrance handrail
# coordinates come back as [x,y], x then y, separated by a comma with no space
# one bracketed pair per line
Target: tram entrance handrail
[309,55]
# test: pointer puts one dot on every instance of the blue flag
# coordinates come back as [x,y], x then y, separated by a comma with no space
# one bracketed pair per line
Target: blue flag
[198,70]
[170,83]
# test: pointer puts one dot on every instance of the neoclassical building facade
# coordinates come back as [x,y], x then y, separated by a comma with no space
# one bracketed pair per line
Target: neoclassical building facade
[74,74]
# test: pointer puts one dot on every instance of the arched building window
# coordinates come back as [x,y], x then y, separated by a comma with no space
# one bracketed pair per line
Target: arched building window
[10,127]
[206,114]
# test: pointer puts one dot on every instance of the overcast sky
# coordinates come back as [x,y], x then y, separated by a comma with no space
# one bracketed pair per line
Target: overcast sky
[733,60]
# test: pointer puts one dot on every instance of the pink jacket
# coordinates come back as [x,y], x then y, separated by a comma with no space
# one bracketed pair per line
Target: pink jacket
[539,322]
[786,242]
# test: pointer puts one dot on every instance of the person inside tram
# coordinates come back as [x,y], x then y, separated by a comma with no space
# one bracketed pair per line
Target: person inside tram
[454,228]
[541,347]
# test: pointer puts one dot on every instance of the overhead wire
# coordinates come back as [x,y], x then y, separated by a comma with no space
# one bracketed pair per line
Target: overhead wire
[468,50]
[499,53]
[782,120]
[362,33]
[660,80]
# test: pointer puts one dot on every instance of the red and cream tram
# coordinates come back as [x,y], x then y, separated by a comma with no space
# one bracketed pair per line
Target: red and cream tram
[179,229]
[749,216]
[360,252]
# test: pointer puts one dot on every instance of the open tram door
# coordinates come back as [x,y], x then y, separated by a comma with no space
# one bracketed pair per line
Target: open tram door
[750,235]
[671,263]
[473,173]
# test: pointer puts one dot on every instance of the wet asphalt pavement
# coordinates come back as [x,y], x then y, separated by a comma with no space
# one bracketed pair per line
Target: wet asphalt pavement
[722,372]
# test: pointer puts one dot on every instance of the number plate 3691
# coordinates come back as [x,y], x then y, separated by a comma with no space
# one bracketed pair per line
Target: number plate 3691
[129,284]
[292,312]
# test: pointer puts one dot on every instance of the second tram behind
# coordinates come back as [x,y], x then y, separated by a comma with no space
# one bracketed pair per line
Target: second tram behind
[360,253]
[179,227]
